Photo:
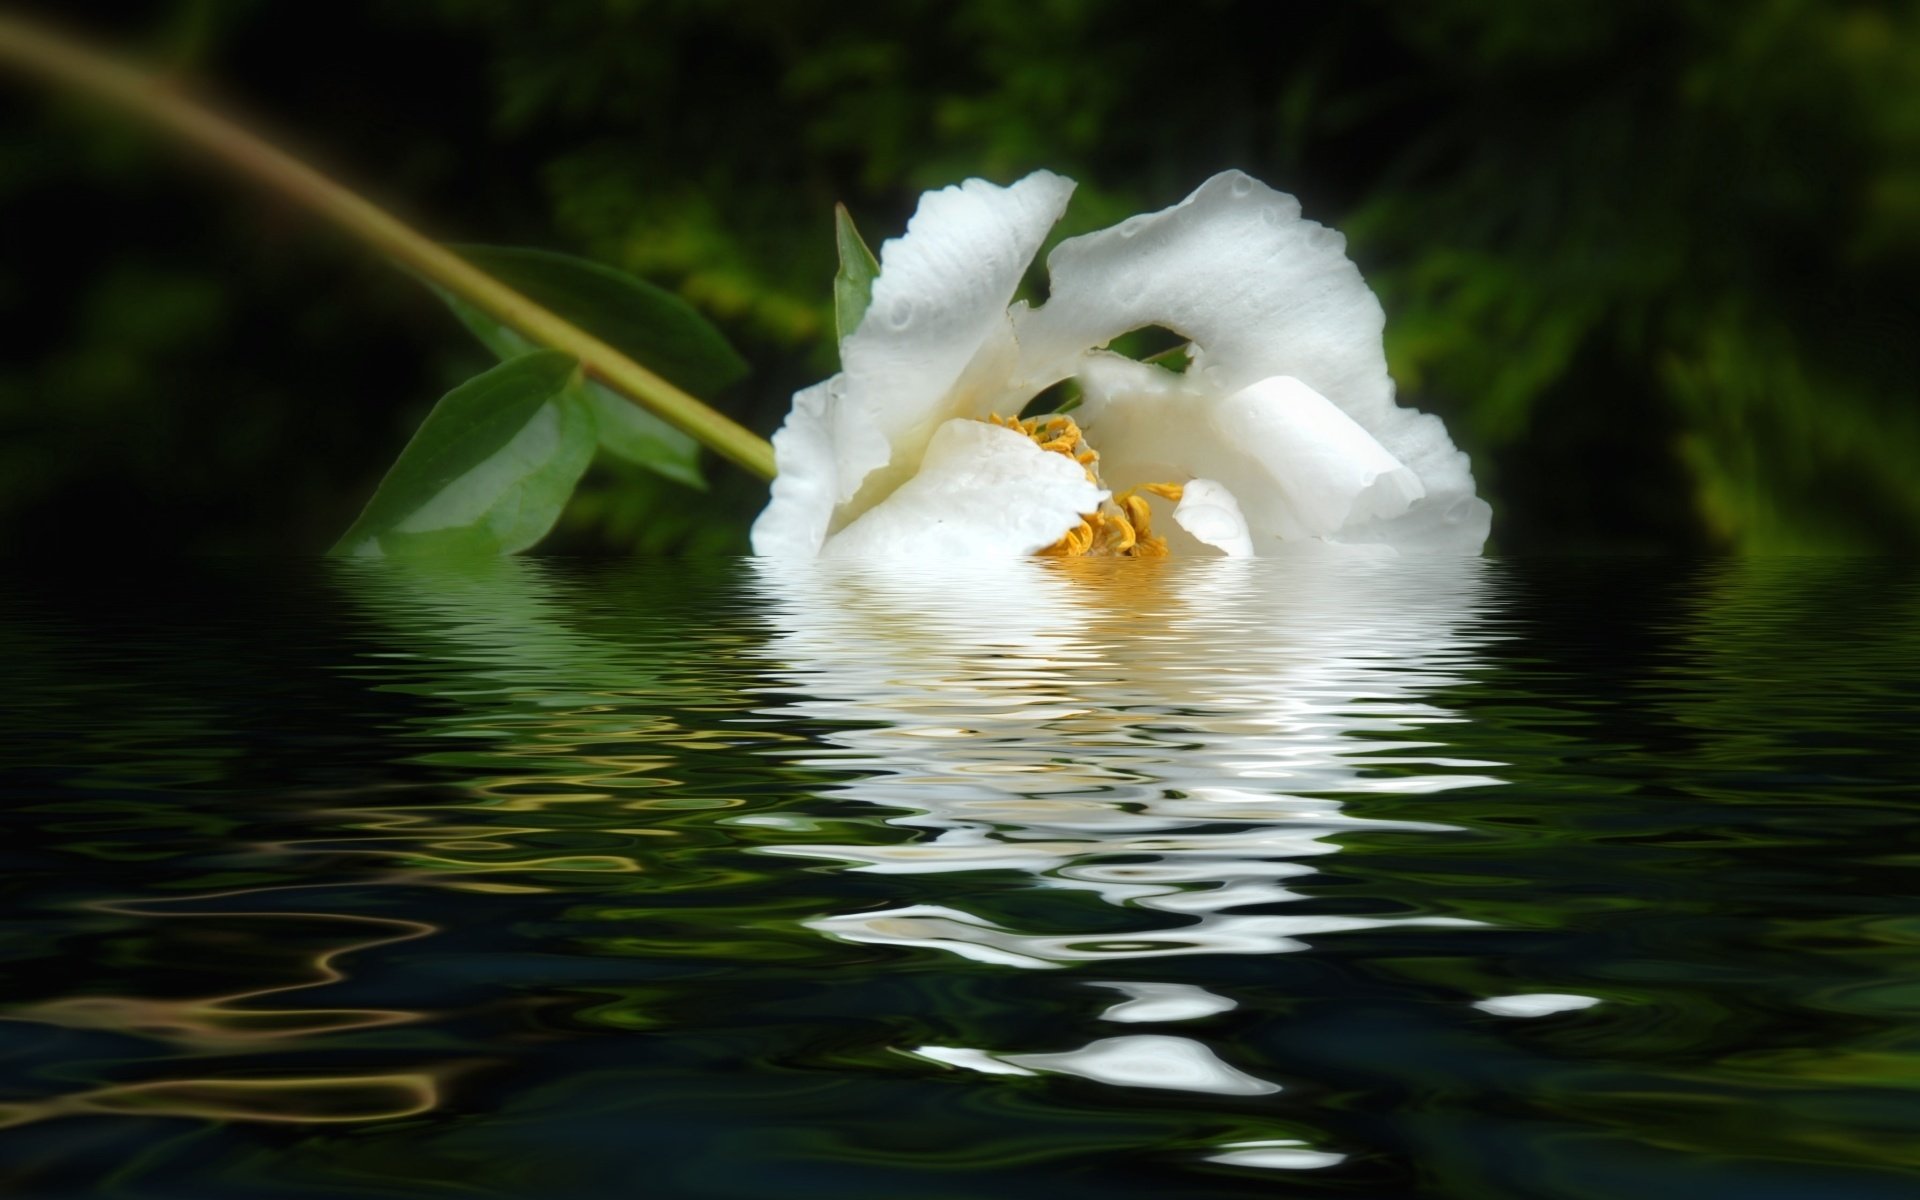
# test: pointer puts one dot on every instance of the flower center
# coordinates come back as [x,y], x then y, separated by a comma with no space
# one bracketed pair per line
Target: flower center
[1123,526]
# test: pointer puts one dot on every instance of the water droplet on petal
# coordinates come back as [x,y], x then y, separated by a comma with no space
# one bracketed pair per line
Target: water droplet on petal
[1242,186]
[901,314]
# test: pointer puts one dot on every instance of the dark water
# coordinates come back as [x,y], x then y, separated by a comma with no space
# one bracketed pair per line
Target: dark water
[1160,880]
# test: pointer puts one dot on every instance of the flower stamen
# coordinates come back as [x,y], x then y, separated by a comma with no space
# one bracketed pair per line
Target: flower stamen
[1056,433]
[1122,527]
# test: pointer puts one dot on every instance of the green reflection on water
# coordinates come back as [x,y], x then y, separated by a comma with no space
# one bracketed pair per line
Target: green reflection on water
[538,873]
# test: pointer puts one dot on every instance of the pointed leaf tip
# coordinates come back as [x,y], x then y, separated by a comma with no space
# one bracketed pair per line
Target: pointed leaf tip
[488,471]
[853,283]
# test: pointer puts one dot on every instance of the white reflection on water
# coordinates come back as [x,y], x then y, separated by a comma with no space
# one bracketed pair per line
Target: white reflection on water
[1279,1154]
[1163,1002]
[1142,1060]
[1535,1004]
[1170,738]
[1165,736]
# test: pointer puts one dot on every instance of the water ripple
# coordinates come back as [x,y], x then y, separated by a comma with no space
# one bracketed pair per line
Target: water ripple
[1170,740]
[538,879]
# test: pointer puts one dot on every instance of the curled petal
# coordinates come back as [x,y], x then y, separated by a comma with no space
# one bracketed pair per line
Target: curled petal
[1208,511]
[1262,293]
[939,308]
[1235,268]
[1297,466]
[983,491]
[1454,521]
[941,298]
[1326,469]
[794,523]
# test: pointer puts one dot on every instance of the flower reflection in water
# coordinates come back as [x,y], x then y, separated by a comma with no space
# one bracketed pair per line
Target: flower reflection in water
[1170,739]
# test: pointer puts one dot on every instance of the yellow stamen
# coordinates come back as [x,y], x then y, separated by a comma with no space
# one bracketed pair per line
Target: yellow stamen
[1123,527]
[1077,542]
[1056,433]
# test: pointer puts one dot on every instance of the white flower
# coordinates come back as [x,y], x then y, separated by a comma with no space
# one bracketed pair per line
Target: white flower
[1282,434]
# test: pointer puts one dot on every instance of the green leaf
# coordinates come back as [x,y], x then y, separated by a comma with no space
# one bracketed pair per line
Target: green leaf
[504,342]
[853,282]
[627,431]
[654,328]
[632,433]
[490,468]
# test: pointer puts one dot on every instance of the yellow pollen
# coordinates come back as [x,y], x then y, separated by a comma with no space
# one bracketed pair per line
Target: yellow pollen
[1123,527]
[1057,433]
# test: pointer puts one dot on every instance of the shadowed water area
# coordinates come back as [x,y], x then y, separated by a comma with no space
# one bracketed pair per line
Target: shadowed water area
[1201,879]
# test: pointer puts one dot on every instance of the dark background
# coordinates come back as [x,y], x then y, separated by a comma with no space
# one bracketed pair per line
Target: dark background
[1653,262]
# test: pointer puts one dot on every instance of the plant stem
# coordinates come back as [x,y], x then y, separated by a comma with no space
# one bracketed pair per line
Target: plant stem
[64,61]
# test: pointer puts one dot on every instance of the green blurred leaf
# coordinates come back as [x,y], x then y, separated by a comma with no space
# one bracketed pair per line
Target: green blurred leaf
[624,429]
[654,328]
[504,342]
[853,282]
[630,432]
[490,468]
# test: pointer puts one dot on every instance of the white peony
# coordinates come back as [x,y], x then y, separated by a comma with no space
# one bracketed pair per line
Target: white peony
[1281,435]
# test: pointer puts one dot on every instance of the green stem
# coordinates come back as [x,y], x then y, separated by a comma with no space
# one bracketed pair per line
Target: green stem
[64,61]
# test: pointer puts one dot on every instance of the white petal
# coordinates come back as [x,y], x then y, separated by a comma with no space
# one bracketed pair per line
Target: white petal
[1209,512]
[940,299]
[794,523]
[1297,466]
[1450,520]
[1329,469]
[1262,293]
[939,308]
[981,490]
[1235,268]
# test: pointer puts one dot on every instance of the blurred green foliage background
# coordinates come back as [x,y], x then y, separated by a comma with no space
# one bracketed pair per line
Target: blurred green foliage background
[1653,262]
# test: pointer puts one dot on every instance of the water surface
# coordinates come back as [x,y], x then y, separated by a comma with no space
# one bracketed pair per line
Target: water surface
[1459,879]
